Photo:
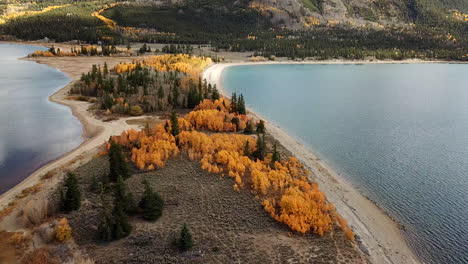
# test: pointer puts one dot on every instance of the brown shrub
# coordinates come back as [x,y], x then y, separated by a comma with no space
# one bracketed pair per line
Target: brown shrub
[8,209]
[40,256]
[35,211]
[26,192]
[48,175]
[19,240]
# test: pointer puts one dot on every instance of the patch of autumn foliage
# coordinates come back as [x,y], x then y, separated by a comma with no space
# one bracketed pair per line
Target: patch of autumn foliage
[184,63]
[40,53]
[63,230]
[284,189]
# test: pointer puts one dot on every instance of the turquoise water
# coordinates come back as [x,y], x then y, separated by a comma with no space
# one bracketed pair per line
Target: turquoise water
[33,130]
[398,132]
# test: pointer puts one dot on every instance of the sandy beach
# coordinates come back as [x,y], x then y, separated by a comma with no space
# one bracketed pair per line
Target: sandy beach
[381,239]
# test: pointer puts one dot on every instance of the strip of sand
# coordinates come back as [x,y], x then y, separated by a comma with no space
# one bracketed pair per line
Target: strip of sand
[380,236]
[95,132]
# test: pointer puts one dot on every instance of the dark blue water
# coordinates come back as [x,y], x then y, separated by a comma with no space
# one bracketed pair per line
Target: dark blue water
[33,130]
[398,132]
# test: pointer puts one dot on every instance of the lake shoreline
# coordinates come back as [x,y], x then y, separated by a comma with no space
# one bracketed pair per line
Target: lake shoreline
[380,235]
[95,132]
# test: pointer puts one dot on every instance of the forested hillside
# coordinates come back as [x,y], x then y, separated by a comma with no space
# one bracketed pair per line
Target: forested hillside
[322,29]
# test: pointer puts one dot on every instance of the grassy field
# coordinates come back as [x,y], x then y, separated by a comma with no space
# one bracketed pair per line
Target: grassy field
[227,226]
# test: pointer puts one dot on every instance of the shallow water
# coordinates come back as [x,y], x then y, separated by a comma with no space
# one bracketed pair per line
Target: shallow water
[33,130]
[398,132]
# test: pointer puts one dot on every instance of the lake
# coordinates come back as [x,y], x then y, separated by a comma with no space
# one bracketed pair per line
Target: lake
[33,130]
[397,132]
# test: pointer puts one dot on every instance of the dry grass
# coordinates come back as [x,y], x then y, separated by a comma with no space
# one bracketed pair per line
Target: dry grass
[8,209]
[35,211]
[49,175]
[31,190]
[227,226]
[82,260]
[40,256]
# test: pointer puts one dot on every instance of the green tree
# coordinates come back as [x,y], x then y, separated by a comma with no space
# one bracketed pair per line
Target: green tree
[174,124]
[125,197]
[215,94]
[185,240]
[120,225]
[151,203]
[276,157]
[261,150]
[261,129]
[248,128]
[241,105]
[118,165]
[71,199]
[104,232]
[247,149]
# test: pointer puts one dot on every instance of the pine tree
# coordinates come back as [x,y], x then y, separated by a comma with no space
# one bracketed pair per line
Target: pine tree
[118,165]
[260,151]
[261,127]
[215,95]
[248,128]
[247,149]
[120,225]
[185,240]
[71,200]
[104,231]
[174,124]
[125,197]
[234,103]
[151,203]
[160,92]
[276,157]
[241,105]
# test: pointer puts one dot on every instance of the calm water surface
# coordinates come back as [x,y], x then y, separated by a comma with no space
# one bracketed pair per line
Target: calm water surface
[398,132]
[33,130]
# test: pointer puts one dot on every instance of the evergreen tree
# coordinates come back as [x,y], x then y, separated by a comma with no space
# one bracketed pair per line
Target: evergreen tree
[241,105]
[261,127]
[125,197]
[247,148]
[215,95]
[185,240]
[119,225]
[151,203]
[118,165]
[276,157]
[174,124]
[160,92]
[234,103]
[261,150]
[71,199]
[248,128]
[104,231]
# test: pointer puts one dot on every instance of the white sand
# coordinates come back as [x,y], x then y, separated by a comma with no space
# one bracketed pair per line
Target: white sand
[381,238]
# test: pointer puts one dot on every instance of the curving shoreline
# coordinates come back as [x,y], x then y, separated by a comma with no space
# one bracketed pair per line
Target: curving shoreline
[381,239]
[95,132]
